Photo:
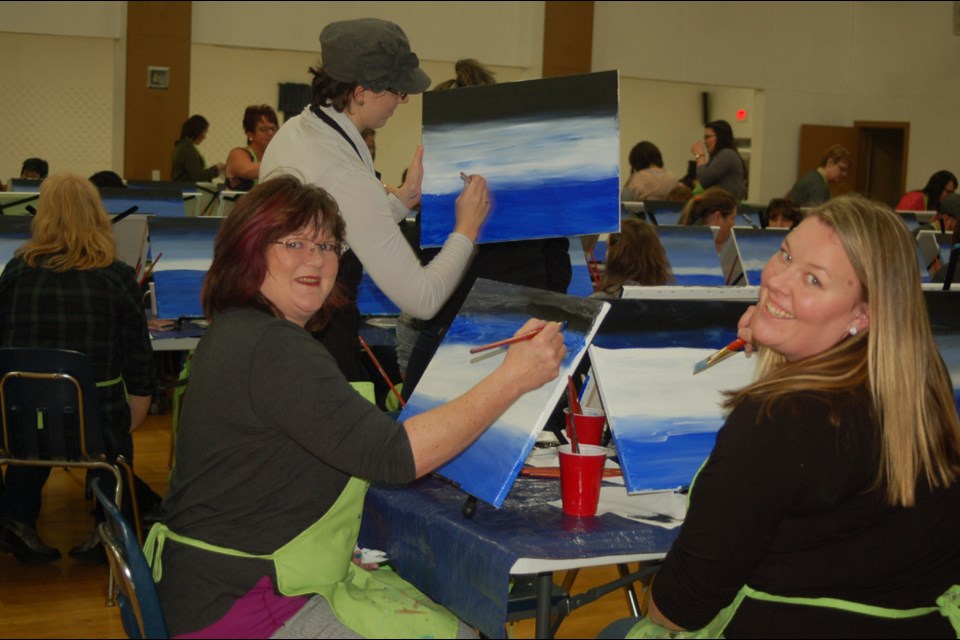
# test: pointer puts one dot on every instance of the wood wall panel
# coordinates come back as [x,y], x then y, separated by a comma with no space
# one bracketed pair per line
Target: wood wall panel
[158,35]
[567,38]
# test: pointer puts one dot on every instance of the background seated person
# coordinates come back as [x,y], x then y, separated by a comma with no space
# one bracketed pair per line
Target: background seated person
[939,186]
[725,167]
[243,163]
[948,214]
[275,448]
[715,207]
[648,179]
[66,289]
[635,256]
[188,164]
[34,169]
[813,188]
[781,213]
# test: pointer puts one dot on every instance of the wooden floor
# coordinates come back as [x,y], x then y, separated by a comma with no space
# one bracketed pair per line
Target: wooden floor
[67,600]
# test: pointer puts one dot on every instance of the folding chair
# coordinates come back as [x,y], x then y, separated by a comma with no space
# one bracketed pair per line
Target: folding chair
[136,593]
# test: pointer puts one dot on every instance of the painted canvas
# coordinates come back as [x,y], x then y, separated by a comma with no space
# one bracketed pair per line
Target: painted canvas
[372,301]
[693,255]
[187,248]
[14,231]
[664,420]
[494,311]
[549,150]
[756,248]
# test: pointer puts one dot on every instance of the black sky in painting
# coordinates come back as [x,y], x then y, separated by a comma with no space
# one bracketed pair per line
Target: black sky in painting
[589,94]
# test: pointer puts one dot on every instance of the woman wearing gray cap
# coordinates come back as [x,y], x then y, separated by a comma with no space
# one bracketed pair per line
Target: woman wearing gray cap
[366,71]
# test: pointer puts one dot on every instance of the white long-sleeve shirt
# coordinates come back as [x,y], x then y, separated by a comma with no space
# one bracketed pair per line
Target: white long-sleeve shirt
[309,148]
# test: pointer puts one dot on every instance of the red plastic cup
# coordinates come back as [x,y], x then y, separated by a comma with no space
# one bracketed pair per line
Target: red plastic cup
[580,476]
[590,425]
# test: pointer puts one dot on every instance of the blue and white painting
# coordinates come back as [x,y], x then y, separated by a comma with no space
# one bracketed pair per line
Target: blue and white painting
[664,420]
[548,149]
[14,232]
[187,248]
[949,347]
[581,282]
[371,301]
[693,255]
[756,248]
[494,311]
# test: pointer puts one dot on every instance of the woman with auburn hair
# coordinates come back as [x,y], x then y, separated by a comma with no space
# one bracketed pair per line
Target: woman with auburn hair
[830,505]
[715,207]
[634,257]
[243,163]
[65,289]
[263,511]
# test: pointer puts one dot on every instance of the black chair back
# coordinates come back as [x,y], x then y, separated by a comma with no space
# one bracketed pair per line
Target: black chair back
[48,399]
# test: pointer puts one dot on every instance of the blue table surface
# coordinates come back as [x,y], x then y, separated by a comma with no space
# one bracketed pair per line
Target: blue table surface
[465,564]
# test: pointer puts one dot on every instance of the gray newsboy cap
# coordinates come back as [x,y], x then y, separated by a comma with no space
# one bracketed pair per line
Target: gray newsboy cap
[374,53]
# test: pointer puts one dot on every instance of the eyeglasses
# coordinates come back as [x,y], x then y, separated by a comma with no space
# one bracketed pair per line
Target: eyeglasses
[302,248]
[266,128]
[709,135]
[400,94]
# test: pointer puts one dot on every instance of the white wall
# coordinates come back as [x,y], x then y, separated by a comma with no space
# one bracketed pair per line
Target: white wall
[56,101]
[787,63]
[811,63]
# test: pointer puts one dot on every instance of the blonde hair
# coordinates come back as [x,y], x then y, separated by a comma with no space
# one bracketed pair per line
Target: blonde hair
[896,359]
[71,230]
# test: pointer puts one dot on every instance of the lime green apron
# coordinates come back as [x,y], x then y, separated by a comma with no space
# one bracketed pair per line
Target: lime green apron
[948,605]
[375,604]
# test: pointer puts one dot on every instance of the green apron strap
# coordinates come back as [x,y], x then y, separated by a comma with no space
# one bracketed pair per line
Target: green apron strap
[160,532]
[649,629]
[110,383]
[842,605]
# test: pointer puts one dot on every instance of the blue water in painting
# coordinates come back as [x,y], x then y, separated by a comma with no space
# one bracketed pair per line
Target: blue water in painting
[372,301]
[670,464]
[178,292]
[520,212]
[488,467]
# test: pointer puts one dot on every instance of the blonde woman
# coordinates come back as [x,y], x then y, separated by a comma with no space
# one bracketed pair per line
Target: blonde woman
[830,505]
[65,289]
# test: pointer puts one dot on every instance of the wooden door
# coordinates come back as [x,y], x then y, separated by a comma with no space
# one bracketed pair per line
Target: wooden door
[882,157]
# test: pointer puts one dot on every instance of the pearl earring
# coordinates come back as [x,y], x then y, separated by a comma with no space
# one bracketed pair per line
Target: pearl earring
[853,331]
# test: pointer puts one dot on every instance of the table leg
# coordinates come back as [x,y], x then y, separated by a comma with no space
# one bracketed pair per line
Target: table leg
[544,603]
[624,570]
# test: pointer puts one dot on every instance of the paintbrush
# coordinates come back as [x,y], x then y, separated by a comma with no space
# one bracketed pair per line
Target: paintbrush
[150,268]
[719,356]
[376,363]
[508,341]
[574,410]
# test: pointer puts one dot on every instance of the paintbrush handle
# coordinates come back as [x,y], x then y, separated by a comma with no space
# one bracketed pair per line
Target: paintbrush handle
[574,410]
[376,363]
[506,342]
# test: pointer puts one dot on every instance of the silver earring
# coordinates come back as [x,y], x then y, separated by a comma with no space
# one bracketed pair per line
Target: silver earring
[853,331]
